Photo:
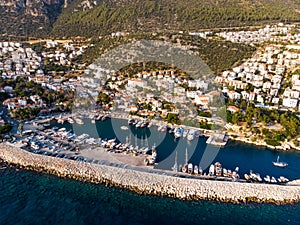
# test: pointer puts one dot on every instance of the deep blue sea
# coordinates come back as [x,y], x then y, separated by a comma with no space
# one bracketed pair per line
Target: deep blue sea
[34,198]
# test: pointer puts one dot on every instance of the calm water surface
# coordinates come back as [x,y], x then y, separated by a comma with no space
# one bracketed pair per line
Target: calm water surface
[34,198]
[236,154]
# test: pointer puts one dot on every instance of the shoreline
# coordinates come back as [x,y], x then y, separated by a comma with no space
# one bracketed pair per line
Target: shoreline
[152,183]
[263,144]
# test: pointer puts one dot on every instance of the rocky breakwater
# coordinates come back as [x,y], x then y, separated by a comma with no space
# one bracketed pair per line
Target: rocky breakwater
[152,183]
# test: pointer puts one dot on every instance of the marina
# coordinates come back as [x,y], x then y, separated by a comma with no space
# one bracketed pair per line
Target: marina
[191,153]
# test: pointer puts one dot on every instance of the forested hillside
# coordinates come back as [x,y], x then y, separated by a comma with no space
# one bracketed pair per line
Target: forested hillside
[104,17]
[97,17]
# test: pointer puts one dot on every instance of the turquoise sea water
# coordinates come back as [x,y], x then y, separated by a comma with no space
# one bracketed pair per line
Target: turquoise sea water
[35,198]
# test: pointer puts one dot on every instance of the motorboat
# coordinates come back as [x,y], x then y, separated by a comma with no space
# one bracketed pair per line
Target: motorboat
[184,168]
[267,179]
[190,168]
[273,180]
[283,179]
[211,171]
[185,133]
[225,173]
[218,169]
[196,170]
[178,133]
[191,135]
[70,120]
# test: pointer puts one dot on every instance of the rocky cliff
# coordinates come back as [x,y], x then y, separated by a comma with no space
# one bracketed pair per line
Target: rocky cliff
[29,17]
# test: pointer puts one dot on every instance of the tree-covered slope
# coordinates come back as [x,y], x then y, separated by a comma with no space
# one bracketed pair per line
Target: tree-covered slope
[102,17]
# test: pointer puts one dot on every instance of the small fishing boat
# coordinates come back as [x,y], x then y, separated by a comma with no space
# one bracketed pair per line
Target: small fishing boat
[200,171]
[185,133]
[171,131]
[34,146]
[190,168]
[196,170]
[211,170]
[60,120]
[279,164]
[267,179]
[184,168]
[283,180]
[178,133]
[70,120]
[255,176]
[130,121]
[164,129]
[225,173]
[246,176]
[79,121]
[273,180]
[124,128]
[191,135]
[218,169]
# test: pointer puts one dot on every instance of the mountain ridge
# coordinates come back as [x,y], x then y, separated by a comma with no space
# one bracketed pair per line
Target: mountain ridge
[58,18]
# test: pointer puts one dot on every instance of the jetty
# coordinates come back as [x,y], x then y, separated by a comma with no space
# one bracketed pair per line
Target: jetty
[217,139]
[152,183]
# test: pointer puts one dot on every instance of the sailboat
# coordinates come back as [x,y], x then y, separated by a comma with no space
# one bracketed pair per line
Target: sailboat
[279,164]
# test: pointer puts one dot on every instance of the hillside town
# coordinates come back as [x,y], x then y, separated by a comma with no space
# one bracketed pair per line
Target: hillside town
[269,80]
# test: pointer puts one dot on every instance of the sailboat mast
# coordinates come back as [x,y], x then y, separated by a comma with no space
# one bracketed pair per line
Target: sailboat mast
[186,155]
[175,167]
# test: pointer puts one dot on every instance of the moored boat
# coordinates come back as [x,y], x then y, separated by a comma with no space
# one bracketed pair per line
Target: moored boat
[211,171]
[247,177]
[79,121]
[178,133]
[200,171]
[70,120]
[196,170]
[185,133]
[218,169]
[184,169]
[283,179]
[190,168]
[273,180]
[267,179]
[191,135]
[225,174]
[130,121]
[279,163]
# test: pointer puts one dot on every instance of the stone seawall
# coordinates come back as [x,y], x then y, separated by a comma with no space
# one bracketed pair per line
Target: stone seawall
[150,183]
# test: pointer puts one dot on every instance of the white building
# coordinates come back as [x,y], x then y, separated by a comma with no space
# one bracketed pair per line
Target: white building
[290,103]
[137,83]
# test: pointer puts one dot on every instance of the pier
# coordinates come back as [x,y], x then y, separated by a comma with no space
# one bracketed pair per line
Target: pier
[153,183]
